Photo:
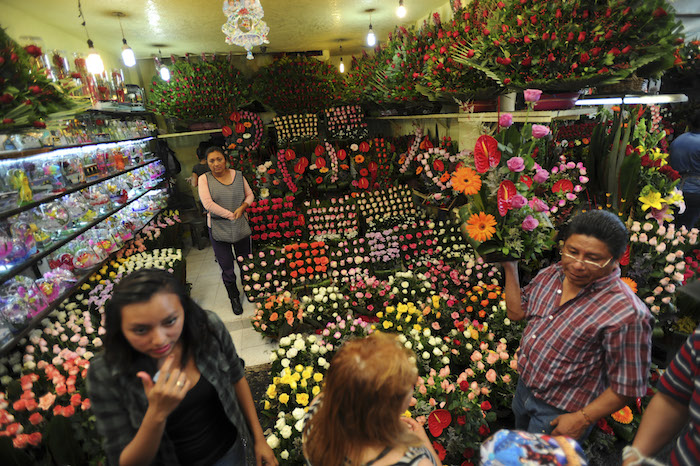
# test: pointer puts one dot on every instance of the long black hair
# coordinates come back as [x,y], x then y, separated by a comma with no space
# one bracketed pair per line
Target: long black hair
[140,287]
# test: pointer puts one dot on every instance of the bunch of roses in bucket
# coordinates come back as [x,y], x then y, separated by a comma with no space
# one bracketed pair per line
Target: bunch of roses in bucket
[275,220]
[504,216]
[278,315]
[409,286]
[341,329]
[391,202]
[417,240]
[295,128]
[307,263]
[323,304]
[335,218]
[399,318]
[449,245]
[350,258]
[346,122]
[383,250]
[368,293]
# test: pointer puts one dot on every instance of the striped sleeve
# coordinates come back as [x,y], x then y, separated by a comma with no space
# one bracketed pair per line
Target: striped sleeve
[677,381]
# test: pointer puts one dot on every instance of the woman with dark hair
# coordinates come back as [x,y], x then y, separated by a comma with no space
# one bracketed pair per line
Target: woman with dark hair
[356,419]
[201,167]
[192,404]
[226,195]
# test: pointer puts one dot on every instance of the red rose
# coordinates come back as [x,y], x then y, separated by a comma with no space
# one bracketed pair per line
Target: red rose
[659,12]
[35,89]
[461,420]
[7,121]
[6,98]
[33,50]
[485,405]
[484,430]
[584,58]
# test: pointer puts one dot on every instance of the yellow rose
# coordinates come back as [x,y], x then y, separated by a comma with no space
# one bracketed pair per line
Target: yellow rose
[417,327]
[267,404]
[407,413]
[318,377]
[475,334]
[316,390]
[389,309]
[299,368]
[296,377]
[303,399]
[284,398]
[386,324]
[306,374]
[275,380]
[271,391]
[402,308]
[380,314]
[436,301]
[303,384]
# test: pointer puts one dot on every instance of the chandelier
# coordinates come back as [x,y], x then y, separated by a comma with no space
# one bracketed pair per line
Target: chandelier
[244,26]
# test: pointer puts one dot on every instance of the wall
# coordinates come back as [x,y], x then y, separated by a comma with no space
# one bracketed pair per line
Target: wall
[72,39]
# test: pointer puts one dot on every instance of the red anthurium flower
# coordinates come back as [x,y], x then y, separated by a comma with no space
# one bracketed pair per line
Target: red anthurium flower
[439,420]
[625,259]
[226,131]
[235,116]
[504,196]
[486,153]
[565,186]
[438,165]
[299,167]
[320,162]
[240,128]
[527,180]
[440,450]
[319,150]
[289,155]
[342,154]
[364,146]
[363,183]
[373,167]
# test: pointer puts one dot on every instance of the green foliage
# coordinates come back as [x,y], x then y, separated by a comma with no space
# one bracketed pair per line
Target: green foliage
[199,90]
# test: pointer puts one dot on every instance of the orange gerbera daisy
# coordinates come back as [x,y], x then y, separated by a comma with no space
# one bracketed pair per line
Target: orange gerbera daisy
[359,158]
[466,180]
[623,416]
[631,283]
[445,177]
[419,170]
[481,226]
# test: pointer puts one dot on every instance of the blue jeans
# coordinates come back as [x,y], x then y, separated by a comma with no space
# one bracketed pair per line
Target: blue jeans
[234,457]
[534,415]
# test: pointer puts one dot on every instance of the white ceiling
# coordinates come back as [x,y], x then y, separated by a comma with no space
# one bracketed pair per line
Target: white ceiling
[194,26]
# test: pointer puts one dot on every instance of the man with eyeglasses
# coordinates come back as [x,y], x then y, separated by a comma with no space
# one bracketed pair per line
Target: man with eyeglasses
[586,349]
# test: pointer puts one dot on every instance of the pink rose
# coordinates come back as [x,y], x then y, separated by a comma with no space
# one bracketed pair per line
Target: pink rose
[492,358]
[506,378]
[532,95]
[540,131]
[530,223]
[538,205]
[476,356]
[491,375]
[506,120]
[518,201]
[516,164]
[541,176]
[46,401]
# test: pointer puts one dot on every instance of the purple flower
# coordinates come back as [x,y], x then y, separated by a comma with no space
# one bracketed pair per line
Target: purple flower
[506,120]
[518,201]
[532,95]
[539,131]
[530,223]
[538,205]
[516,164]
[541,176]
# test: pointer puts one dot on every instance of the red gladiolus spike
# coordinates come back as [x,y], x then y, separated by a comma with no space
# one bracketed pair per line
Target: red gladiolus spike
[486,153]
[505,194]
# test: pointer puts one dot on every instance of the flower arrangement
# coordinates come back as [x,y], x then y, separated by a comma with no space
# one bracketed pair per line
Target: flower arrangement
[501,179]
[295,128]
[275,220]
[391,202]
[368,294]
[399,317]
[416,241]
[346,122]
[307,263]
[245,133]
[264,274]
[409,286]
[449,244]
[384,249]
[349,258]
[434,168]
[341,329]
[284,157]
[309,85]
[571,45]
[199,90]
[278,316]
[324,304]
[335,218]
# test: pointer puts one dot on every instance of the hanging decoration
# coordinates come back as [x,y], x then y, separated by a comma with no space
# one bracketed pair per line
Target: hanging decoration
[245,26]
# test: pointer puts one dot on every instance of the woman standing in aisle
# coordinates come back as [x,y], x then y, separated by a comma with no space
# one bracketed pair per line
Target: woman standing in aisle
[226,195]
[356,419]
[193,405]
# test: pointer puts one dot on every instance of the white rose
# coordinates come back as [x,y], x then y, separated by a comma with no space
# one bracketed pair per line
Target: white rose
[299,344]
[322,361]
[286,432]
[273,441]
[273,356]
[284,455]
[299,426]
[426,355]
[285,362]
[506,321]
[285,341]
[298,413]
[280,352]
[280,423]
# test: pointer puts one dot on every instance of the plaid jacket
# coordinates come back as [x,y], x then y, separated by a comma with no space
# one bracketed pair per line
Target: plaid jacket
[571,354]
[119,402]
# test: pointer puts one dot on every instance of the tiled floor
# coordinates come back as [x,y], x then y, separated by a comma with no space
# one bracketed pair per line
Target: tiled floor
[208,290]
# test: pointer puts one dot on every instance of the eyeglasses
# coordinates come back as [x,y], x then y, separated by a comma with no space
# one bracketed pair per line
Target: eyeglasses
[595,264]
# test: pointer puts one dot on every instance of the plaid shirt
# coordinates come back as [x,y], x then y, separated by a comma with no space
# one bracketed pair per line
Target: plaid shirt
[119,401]
[571,354]
[682,383]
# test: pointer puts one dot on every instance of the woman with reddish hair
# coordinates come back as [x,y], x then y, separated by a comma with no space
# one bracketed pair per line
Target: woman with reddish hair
[356,419]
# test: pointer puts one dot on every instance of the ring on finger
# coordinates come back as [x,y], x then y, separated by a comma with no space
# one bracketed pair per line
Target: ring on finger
[179,383]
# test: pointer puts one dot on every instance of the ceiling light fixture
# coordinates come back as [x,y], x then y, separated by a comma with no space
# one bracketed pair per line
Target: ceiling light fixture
[371,38]
[127,53]
[162,69]
[401,10]
[342,65]
[93,62]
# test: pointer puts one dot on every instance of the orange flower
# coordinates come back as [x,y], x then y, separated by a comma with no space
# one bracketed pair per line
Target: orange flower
[466,180]
[323,170]
[419,170]
[273,317]
[289,315]
[481,226]
[623,416]
[445,177]
[359,158]
[402,160]
[631,283]
[344,167]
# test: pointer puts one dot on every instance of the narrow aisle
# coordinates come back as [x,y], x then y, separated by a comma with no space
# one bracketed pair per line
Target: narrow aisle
[209,292]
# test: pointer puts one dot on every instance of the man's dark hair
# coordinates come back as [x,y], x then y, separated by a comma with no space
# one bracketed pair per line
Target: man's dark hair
[201,149]
[140,287]
[602,225]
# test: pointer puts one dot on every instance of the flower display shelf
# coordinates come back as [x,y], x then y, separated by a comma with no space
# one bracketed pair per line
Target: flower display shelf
[19,154]
[31,205]
[36,320]
[33,260]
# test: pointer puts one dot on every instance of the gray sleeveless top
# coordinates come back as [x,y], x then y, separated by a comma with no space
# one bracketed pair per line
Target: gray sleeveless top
[229,197]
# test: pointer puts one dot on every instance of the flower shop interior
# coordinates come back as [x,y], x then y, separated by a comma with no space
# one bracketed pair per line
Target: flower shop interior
[397,152]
